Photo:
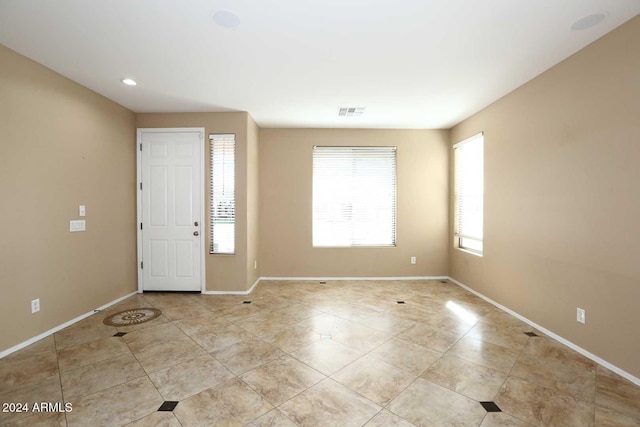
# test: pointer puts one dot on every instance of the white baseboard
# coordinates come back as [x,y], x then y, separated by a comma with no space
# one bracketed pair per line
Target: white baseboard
[60,327]
[355,278]
[234,292]
[556,337]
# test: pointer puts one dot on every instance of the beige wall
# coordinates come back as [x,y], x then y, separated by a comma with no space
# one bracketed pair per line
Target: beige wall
[253,132]
[285,205]
[61,145]
[562,199]
[224,272]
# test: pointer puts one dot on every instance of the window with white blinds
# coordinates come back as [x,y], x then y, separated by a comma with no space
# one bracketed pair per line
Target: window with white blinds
[223,193]
[469,193]
[354,196]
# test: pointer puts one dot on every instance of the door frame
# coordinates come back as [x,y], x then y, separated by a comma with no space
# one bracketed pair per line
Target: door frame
[139,132]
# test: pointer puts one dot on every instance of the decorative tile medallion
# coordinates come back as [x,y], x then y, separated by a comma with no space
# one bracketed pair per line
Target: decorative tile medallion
[132,317]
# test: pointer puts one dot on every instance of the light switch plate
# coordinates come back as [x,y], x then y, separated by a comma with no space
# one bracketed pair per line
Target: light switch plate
[77,225]
[81,211]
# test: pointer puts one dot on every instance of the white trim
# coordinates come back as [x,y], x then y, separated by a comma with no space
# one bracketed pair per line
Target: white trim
[139,132]
[471,138]
[556,337]
[358,278]
[60,327]
[234,292]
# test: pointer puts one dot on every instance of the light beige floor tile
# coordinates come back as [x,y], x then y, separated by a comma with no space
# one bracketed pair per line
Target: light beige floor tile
[166,353]
[45,345]
[385,418]
[563,378]
[229,403]
[550,349]
[327,356]
[20,370]
[374,379]
[472,380]
[157,419]
[188,378]
[142,339]
[325,324]
[133,302]
[32,391]
[453,319]
[86,330]
[405,355]
[427,336]
[512,337]
[274,418]
[426,404]
[42,419]
[388,323]
[246,355]
[99,376]
[617,393]
[184,311]
[608,418]
[281,379]
[214,334]
[541,406]
[486,354]
[351,312]
[117,405]
[219,302]
[500,419]
[329,404]
[359,337]
[292,338]
[91,352]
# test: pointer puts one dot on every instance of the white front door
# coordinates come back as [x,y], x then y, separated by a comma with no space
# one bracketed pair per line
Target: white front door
[170,243]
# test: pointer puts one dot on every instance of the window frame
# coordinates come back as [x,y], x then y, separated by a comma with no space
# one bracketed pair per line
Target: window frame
[459,237]
[223,139]
[393,212]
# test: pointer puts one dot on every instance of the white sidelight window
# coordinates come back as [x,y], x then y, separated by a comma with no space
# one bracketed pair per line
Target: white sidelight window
[354,196]
[223,194]
[469,193]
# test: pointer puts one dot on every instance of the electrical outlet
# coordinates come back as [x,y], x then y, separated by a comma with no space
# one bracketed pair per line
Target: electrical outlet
[581,316]
[413,260]
[35,305]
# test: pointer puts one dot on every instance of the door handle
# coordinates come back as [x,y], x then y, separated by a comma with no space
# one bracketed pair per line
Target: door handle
[195,233]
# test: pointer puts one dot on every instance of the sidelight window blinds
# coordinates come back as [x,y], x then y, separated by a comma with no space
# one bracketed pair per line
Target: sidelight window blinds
[354,196]
[469,193]
[223,193]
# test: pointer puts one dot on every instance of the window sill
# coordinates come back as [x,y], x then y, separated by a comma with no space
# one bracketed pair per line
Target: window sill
[478,254]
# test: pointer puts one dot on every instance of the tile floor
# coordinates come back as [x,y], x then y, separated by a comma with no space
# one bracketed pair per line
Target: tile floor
[311,354]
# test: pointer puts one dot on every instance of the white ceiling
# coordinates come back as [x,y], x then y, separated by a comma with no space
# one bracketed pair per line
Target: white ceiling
[293,63]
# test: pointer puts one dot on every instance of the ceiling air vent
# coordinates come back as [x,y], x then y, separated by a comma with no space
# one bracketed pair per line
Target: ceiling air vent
[350,111]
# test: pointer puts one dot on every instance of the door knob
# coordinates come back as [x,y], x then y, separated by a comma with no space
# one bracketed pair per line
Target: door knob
[195,233]
[195,223]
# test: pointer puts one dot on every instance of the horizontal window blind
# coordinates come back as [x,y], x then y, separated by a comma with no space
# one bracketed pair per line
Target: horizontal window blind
[469,189]
[354,196]
[223,193]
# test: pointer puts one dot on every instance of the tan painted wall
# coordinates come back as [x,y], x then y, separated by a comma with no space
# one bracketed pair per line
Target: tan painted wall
[562,199]
[61,145]
[224,272]
[285,205]
[253,133]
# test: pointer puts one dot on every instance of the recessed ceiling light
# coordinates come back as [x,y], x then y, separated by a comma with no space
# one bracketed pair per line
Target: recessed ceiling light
[226,18]
[129,82]
[588,21]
